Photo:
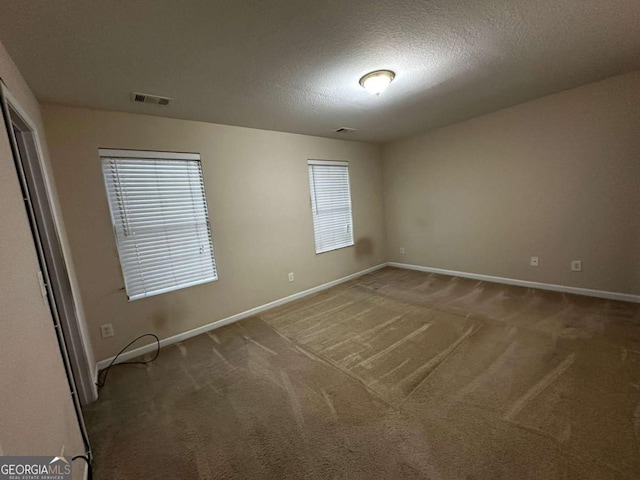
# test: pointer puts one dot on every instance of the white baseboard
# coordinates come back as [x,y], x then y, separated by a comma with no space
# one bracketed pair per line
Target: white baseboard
[625,297]
[234,318]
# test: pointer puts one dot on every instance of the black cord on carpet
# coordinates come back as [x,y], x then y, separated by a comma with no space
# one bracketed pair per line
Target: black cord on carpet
[101,384]
[89,470]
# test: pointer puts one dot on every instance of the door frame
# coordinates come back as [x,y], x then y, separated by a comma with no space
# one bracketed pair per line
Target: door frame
[56,286]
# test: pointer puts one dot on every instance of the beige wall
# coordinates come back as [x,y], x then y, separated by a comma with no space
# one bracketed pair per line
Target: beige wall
[258,195]
[557,177]
[36,413]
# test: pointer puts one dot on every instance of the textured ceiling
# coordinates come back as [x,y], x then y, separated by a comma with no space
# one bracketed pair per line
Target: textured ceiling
[294,65]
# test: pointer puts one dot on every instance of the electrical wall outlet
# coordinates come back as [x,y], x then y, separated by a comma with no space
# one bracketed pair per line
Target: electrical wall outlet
[402,250]
[534,262]
[291,277]
[106,330]
[576,265]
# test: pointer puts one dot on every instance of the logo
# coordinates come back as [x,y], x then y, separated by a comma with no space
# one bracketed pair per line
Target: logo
[35,468]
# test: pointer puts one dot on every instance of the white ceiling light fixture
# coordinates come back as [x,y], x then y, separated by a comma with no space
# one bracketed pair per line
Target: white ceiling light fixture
[377,82]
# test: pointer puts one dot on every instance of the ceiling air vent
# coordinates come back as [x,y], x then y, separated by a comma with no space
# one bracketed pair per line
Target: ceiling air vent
[146,98]
[344,130]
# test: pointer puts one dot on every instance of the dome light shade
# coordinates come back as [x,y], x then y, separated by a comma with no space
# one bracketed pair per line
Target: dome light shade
[377,82]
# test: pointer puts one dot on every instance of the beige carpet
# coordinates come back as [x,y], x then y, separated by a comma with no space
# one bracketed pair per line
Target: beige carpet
[397,374]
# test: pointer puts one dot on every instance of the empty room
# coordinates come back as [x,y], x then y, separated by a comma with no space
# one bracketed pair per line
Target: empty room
[320,240]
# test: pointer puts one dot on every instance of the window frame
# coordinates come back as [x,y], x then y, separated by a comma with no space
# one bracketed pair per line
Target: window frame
[330,163]
[106,154]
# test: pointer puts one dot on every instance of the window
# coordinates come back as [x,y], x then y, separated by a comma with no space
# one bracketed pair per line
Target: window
[330,204]
[160,220]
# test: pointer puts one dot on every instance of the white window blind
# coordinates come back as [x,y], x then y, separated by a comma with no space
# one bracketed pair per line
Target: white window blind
[160,220]
[330,204]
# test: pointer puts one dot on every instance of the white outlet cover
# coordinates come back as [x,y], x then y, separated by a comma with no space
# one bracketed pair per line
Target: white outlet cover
[106,330]
[401,249]
[576,265]
[291,277]
[534,262]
